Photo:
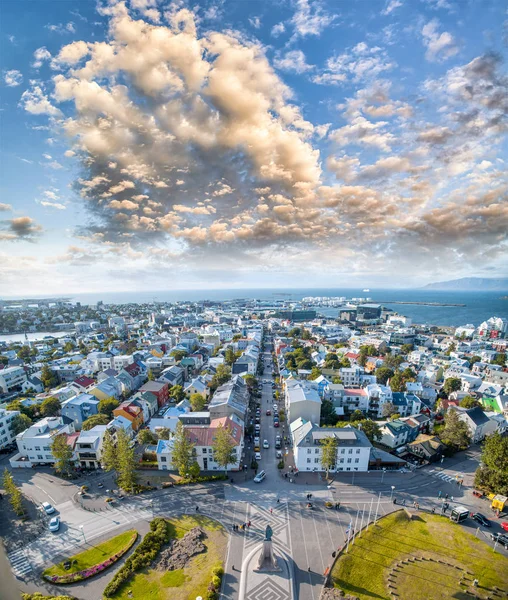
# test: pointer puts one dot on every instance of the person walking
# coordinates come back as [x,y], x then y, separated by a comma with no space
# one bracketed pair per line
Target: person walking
[197,508]
[439,494]
[271,511]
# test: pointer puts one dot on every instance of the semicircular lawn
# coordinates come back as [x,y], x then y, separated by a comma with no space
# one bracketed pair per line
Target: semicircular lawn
[424,557]
[102,553]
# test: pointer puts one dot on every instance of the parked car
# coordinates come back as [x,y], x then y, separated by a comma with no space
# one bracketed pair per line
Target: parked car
[256,441]
[276,423]
[48,508]
[266,444]
[500,538]
[257,455]
[259,477]
[504,525]
[54,524]
[257,427]
[278,454]
[482,519]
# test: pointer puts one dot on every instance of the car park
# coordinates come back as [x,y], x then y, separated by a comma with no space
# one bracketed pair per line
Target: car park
[257,455]
[266,444]
[482,519]
[259,477]
[48,508]
[54,524]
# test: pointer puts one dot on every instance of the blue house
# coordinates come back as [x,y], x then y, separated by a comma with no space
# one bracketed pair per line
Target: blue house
[80,408]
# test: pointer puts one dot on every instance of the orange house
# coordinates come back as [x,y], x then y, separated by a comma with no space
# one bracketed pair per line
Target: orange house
[130,411]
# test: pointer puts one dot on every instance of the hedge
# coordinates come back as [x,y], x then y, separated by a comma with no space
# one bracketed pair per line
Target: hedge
[202,479]
[143,556]
[91,571]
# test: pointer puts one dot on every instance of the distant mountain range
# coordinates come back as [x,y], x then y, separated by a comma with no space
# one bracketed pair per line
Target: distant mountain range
[471,283]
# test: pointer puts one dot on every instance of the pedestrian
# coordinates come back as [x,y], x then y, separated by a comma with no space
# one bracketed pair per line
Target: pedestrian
[452,498]
[446,497]
[475,582]
[439,494]
[278,500]
[197,508]
[403,503]
[310,495]
[248,524]
[334,554]
[308,569]
[433,510]
[271,511]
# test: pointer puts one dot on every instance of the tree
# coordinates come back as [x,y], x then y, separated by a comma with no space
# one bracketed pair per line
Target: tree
[182,456]
[493,475]
[145,436]
[314,374]
[63,454]
[295,332]
[222,375]
[4,360]
[19,423]
[176,393]
[406,348]
[500,359]
[388,409]
[224,447]
[383,374]
[107,406]
[68,347]
[50,407]
[229,356]
[48,378]
[305,364]
[24,353]
[329,453]
[474,359]
[126,461]
[328,414]
[109,459]
[150,375]
[395,416]
[336,380]
[469,402]
[371,429]
[163,433]
[197,401]
[15,496]
[251,381]
[393,361]
[179,354]
[452,384]
[194,470]
[455,433]
[451,348]
[357,415]
[95,420]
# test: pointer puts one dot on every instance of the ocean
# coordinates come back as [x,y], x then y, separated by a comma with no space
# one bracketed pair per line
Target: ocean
[479,306]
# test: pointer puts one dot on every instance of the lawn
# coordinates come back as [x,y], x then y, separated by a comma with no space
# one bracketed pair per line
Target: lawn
[444,561]
[186,583]
[95,555]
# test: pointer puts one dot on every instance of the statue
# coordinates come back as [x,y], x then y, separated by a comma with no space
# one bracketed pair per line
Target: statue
[267,560]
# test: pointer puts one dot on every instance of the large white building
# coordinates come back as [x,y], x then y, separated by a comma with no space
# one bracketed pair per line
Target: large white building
[6,435]
[34,444]
[353,447]
[11,378]
[302,401]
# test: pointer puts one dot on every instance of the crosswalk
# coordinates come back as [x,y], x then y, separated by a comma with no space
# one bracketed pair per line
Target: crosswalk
[441,475]
[19,563]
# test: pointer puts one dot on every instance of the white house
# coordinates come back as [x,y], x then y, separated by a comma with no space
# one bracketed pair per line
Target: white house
[302,401]
[34,444]
[478,423]
[6,435]
[88,447]
[353,447]
[11,378]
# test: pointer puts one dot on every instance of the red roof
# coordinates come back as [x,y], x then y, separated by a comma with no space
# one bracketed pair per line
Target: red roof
[355,391]
[133,369]
[352,355]
[84,381]
[204,435]
[72,438]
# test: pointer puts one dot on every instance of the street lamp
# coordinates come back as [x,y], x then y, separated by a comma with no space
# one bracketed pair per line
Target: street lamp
[82,532]
[391,495]
[383,475]
[151,505]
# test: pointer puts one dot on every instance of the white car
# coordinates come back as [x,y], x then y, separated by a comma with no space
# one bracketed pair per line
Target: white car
[48,508]
[54,524]
[257,455]
[275,407]
[256,441]
[259,477]
[266,444]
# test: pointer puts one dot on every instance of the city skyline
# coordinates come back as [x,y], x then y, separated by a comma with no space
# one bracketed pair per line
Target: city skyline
[153,145]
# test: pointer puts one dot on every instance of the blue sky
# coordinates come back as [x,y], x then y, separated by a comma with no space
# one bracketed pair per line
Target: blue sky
[154,145]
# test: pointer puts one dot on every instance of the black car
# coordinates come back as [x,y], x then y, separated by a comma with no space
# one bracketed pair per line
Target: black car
[500,538]
[479,518]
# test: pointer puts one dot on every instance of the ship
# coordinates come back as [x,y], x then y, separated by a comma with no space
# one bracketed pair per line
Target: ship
[366,290]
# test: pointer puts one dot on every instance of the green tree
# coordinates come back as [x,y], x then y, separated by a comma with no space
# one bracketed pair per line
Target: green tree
[182,456]
[328,414]
[222,375]
[383,374]
[48,378]
[24,353]
[163,433]
[194,470]
[95,420]
[197,401]
[19,423]
[224,447]
[63,454]
[474,359]
[229,356]
[107,406]
[500,359]
[469,402]
[251,381]
[50,407]
[371,430]
[295,332]
[393,361]
[109,459]
[357,415]
[4,360]
[315,373]
[336,380]
[68,347]
[179,354]
[176,393]
[493,475]
[452,384]
[305,363]
[329,453]
[150,375]
[406,348]
[145,436]
[15,496]
[126,461]
[455,433]
[388,409]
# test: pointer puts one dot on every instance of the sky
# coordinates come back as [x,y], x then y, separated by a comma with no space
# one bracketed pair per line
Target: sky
[153,145]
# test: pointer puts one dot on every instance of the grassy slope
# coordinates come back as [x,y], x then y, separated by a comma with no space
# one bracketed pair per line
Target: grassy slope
[187,583]
[363,571]
[94,555]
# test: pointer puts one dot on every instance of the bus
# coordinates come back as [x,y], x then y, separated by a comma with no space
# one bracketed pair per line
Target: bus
[459,514]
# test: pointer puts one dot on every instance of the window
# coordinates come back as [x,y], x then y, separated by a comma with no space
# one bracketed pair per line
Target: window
[350,451]
[316,460]
[204,450]
[341,460]
[40,457]
[163,459]
[342,451]
[49,456]
[37,448]
[357,460]
[46,448]
[308,460]
[316,451]
[349,460]
[358,451]
[309,450]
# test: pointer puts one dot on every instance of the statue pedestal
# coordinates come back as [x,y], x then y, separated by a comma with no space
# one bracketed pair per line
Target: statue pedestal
[267,562]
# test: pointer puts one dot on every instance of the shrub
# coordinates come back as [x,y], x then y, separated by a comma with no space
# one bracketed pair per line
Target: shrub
[219,571]
[202,479]
[216,582]
[212,595]
[280,464]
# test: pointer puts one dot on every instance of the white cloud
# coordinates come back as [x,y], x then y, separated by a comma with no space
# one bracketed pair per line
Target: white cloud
[390,6]
[294,61]
[5,207]
[440,46]
[310,18]
[13,78]
[255,22]
[56,205]
[278,29]
[62,28]
[40,55]
[36,102]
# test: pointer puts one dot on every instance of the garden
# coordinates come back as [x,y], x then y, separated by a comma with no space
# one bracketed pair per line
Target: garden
[92,561]
[422,557]
[165,575]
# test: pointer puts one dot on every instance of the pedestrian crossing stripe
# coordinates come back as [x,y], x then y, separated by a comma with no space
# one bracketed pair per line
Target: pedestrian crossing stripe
[19,562]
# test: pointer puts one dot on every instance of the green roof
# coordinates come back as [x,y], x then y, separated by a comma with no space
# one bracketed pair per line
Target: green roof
[490,404]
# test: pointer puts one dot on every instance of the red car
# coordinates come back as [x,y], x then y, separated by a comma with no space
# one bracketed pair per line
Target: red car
[268,412]
[276,423]
[504,525]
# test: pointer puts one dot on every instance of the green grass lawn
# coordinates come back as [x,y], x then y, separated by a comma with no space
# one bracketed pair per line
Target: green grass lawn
[94,555]
[364,571]
[187,583]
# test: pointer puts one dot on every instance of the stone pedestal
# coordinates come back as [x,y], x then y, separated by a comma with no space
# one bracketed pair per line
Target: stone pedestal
[267,562]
